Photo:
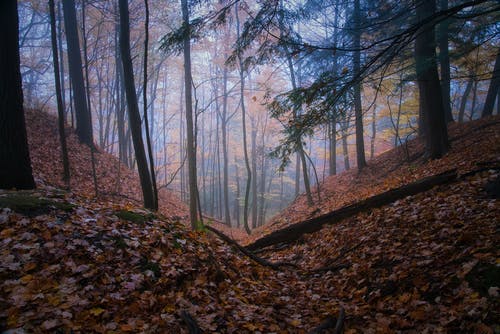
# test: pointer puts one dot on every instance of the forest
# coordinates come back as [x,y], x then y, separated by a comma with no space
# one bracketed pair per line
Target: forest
[242,166]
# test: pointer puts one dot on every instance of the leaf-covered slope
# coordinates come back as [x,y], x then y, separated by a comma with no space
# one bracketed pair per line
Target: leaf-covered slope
[95,266]
[114,179]
[472,144]
[427,263]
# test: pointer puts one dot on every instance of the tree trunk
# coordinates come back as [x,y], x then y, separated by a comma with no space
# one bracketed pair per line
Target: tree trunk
[224,122]
[190,144]
[332,136]
[15,167]
[133,107]
[254,173]
[145,105]
[60,106]
[431,102]
[360,143]
[345,148]
[243,121]
[444,62]
[493,89]
[83,122]
[463,100]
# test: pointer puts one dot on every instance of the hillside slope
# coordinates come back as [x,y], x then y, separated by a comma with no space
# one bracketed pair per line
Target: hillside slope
[428,263]
[472,144]
[114,179]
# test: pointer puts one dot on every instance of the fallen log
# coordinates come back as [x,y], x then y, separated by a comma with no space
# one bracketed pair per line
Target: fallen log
[251,255]
[294,232]
[331,322]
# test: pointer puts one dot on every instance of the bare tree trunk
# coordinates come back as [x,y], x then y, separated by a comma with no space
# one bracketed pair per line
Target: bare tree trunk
[254,173]
[493,89]
[60,106]
[345,148]
[227,215]
[83,121]
[429,87]
[145,105]
[15,166]
[360,143]
[444,62]
[463,100]
[243,120]
[133,107]
[190,144]
[86,67]
[332,140]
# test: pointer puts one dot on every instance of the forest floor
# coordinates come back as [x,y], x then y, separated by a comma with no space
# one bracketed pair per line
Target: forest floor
[427,263]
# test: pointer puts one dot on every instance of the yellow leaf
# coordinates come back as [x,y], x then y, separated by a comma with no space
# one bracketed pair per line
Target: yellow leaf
[29,266]
[295,322]
[126,328]
[404,298]
[169,308]
[27,278]
[7,232]
[97,311]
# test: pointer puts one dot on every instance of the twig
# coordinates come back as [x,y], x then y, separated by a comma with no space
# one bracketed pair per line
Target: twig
[259,260]
[339,327]
[191,323]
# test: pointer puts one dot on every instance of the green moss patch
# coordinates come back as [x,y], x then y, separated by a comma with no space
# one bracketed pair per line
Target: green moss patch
[32,205]
[483,276]
[135,217]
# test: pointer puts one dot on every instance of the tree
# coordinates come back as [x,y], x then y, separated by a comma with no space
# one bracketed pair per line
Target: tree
[83,120]
[15,167]
[358,112]
[243,120]
[133,108]
[493,89]
[60,105]
[190,140]
[444,62]
[145,105]
[431,102]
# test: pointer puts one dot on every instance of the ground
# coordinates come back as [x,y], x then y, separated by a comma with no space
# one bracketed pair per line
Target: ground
[72,262]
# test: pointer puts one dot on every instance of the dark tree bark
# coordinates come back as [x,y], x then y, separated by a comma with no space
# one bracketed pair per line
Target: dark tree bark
[224,122]
[133,107]
[431,102]
[145,102]
[243,121]
[15,167]
[463,100]
[190,140]
[253,145]
[360,142]
[60,105]
[444,62]
[82,114]
[493,89]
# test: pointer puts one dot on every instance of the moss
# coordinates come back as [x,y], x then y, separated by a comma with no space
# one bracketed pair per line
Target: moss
[120,242]
[483,276]
[32,205]
[152,266]
[135,217]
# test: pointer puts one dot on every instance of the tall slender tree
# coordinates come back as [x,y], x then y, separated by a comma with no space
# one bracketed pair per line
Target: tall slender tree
[133,107]
[358,111]
[15,167]
[82,114]
[493,89]
[145,107]
[190,139]
[430,97]
[243,121]
[60,105]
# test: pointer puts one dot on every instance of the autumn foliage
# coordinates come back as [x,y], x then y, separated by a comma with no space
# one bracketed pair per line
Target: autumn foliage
[73,262]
